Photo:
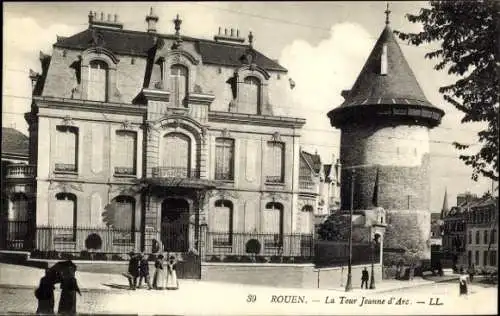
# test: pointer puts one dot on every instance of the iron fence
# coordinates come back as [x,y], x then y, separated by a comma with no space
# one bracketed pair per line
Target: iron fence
[333,253]
[259,244]
[15,234]
[74,239]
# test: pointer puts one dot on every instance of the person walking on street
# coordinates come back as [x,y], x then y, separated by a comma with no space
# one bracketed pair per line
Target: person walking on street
[172,282]
[45,295]
[144,271]
[472,270]
[463,282]
[159,276]
[69,288]
[364,278]
[133,270]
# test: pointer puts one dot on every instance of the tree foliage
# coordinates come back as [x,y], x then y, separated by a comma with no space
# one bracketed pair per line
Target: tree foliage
[467,31]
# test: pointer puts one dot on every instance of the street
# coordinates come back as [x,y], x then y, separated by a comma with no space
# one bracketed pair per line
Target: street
[233,299]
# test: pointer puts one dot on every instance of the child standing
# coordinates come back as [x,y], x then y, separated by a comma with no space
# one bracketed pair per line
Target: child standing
[172,283]
[144,271]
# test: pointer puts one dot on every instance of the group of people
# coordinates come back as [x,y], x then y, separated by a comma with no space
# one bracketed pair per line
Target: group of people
[165,275]
[69,288]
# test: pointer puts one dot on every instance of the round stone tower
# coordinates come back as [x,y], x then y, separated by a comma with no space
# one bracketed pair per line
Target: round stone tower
[385,122]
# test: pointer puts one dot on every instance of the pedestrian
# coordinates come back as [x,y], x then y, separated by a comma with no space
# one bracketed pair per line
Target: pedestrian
[144,271]
[472,270]
[463,282]
[364,278]
[411,272]
[133,270]
[172,282]
[45,294]
[69,288]
[159,276]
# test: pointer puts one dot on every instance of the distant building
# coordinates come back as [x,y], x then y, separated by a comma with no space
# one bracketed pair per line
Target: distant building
[482,232]
[330,186]
[15,158]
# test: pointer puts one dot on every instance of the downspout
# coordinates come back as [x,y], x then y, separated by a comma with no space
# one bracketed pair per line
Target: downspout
[293,182]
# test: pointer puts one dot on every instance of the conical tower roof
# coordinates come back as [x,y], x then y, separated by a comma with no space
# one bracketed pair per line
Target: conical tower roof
[397,85]
[386,88]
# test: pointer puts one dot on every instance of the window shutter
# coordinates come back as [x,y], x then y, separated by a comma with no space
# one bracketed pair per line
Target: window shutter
[176,154]
[222,219]
[124,214]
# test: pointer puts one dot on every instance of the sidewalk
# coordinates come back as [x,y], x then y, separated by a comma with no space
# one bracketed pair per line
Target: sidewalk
[16,276]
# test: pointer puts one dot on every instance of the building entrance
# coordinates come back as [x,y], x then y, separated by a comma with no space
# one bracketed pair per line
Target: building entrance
[175,225]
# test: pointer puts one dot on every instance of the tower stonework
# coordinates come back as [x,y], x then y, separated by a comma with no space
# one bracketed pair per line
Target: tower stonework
[385,122]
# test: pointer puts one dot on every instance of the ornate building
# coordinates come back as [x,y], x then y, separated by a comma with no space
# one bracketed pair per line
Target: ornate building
[385,122]
[146,141]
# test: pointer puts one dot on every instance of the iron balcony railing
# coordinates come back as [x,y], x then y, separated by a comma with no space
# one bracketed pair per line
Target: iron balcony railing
[65,167]
[124,171]
[20,171]
[306,183]
[175,172]
[275,179]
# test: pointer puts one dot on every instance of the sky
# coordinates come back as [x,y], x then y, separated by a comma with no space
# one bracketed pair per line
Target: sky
[323,45]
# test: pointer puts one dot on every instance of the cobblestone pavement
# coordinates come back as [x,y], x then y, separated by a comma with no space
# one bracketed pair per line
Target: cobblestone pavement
[234,300]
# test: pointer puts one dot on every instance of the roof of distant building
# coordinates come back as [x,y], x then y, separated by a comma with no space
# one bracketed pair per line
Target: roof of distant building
[14,143]
[138,43]
[314,160]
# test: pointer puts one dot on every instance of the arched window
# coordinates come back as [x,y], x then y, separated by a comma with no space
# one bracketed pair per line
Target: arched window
[250,96]
[178,84]
[65,216]
[222,222]
[66,159]
[274,165]
[224,159]
[125,153]
[273,225]
[98,81]
[18,211]
[176,156]
[124,219]
[306,219]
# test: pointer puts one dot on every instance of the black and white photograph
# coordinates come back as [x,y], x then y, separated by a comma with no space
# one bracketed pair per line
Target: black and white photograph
[250,158]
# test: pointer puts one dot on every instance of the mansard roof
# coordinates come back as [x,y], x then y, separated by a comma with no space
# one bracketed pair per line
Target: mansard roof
[14,142]
[140,43]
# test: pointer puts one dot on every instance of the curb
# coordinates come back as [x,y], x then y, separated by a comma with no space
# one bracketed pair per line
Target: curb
[85,290]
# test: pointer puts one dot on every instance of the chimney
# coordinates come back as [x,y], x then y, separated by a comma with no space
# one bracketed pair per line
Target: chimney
[108,23]
[231,36]
[151,19]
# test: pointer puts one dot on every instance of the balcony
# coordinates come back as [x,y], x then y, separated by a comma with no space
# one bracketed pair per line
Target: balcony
[175,172]
[124,172]
[20,171]
[275,180]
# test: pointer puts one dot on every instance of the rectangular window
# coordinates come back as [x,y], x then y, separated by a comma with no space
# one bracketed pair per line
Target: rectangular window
[493,237]
[64,218]
[275,171]
[478,241]
[485,237]
[469,257]
[125,153]
[123,220]
[66,149]
[223,223]
[224,159]
[470,237]
[493,258]
[485,258]
[477,258]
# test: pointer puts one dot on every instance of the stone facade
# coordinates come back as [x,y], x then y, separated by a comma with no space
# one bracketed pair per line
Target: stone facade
[138,97]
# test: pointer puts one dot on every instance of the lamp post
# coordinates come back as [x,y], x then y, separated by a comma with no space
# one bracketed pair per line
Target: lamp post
[348,285]
[372,276]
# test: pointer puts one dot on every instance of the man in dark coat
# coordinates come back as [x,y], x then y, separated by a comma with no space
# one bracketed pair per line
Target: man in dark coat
[69,288]
[364,278]
[45,294]
[144,271]
[133,270]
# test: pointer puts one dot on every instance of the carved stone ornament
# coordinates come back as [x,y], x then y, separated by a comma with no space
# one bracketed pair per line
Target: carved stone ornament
[176,124]
[97,38]
[276,137]
[225,133]
[126,124]
[68,121]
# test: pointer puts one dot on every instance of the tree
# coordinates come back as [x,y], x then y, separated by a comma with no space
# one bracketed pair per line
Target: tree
[467,31]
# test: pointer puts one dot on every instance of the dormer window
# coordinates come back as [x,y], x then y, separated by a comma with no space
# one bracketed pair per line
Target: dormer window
[98,81]
[250,95]
[178,84]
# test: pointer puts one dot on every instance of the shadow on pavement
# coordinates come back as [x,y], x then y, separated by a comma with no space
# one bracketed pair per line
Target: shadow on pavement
[116,286]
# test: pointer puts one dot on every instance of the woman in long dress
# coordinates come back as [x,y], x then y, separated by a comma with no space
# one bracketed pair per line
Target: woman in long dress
[463,283]
[45,295]
[159,276]
[69,288]
[172,283]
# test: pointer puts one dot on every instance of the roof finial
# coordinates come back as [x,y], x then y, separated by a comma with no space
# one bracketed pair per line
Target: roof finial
[387,13]
[250,39]
[177,23]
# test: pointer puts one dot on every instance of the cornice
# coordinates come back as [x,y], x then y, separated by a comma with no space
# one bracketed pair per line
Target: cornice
[89,106]
[200,98]
[155,94]
[264,120]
